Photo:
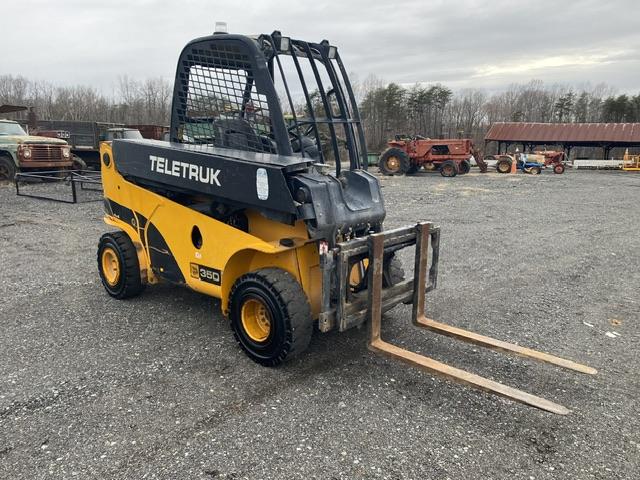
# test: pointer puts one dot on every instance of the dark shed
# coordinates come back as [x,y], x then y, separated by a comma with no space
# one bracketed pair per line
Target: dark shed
[566,135]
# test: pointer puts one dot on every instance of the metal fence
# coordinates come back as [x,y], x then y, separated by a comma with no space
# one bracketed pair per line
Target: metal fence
[72,186]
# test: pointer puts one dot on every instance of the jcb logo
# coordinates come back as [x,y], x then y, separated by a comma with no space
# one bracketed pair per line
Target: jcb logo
[205,274]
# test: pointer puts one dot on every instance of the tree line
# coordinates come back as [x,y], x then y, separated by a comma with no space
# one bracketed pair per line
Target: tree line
[386,109]
[436,111]
[133,101]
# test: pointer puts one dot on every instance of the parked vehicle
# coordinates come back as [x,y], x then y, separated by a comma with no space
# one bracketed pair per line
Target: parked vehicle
[153,132]
[85,137]
[630,163]
[492,160]
[122,132]
[407,155]
[542,159]
[550,158]
[20,152]
[523,163]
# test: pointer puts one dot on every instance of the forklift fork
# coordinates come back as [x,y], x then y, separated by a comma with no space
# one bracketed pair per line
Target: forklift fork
[376,344]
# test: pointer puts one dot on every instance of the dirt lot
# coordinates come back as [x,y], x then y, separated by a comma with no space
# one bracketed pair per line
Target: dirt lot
[155,387]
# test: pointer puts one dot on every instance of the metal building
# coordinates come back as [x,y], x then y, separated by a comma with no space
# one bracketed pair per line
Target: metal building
[527,135]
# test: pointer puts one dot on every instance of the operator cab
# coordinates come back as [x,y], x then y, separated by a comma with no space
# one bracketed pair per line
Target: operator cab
[269,121]
[268,94]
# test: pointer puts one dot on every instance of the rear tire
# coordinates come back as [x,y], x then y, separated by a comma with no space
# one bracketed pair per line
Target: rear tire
[7,168]
[503,166]
[464,167]
[559,169]
[270,316]
[118,266]
[448,169]
[394,161]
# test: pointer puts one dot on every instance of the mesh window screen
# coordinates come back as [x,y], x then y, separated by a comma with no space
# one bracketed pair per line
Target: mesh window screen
[221,104]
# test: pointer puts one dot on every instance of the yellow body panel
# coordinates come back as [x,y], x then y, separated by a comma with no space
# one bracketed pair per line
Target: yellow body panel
[630,163]
[231,251]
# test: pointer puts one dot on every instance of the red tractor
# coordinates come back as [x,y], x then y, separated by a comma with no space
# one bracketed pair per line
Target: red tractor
[553,159]
[450,156]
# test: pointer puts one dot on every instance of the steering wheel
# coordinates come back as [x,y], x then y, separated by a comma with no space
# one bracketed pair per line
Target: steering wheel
[303,142]
[293,130]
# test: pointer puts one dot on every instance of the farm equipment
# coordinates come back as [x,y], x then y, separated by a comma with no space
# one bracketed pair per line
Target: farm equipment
[550,158]
[523,164]
[21,152]
[246,209]
[530,162]
[406,155]
[630,163]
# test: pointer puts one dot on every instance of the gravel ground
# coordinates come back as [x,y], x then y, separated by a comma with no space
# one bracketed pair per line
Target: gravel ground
[155,387]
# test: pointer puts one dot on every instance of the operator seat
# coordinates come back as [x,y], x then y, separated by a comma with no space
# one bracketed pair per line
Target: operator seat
[306,145]
[238,133]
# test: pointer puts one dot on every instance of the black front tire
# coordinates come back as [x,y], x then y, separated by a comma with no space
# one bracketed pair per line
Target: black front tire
[464,167]
[78,164]
[503,166]
[388,167]
[7,168]
[558,169]
[449,169]
[291,325]
[129,283]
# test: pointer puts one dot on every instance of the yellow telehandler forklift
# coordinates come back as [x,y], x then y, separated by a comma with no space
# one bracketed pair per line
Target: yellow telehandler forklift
[278,219]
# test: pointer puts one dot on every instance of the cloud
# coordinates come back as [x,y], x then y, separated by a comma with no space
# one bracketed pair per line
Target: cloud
[470,43]
[538,65]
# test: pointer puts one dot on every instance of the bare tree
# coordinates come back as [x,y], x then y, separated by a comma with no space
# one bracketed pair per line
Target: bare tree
[386,109]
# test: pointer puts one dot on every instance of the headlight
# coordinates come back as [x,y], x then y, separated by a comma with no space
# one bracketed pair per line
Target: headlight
[66,152]
[285,44]
[26,152]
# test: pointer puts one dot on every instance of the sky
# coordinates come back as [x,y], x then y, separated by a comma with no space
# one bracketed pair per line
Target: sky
[461,43]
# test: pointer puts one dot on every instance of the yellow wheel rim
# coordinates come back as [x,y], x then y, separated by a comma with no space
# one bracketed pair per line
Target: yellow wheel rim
[393,164]
[358,270]
[110,266]
[256,320]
